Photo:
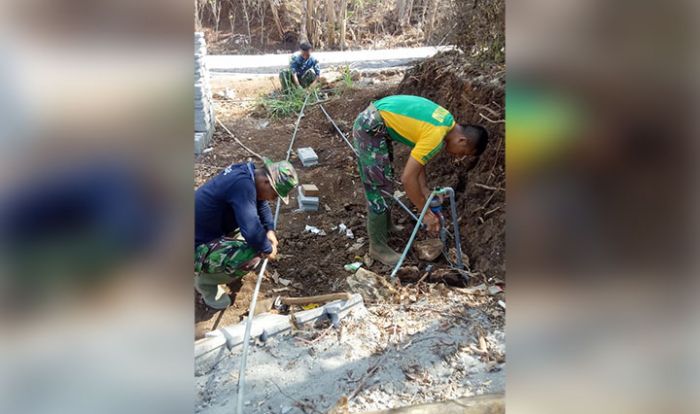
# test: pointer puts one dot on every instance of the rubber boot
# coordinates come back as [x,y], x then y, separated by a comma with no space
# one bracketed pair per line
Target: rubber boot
[391,226]
[378,230]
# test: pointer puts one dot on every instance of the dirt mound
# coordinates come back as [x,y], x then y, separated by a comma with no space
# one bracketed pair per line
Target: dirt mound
[473,95]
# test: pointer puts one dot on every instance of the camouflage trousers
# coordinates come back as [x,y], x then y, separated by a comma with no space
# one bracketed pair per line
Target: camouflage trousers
[304,80]
[375,155]
[219,263]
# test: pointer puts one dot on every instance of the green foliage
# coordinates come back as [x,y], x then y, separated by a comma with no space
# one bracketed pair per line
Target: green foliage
[347,82]
[280,105]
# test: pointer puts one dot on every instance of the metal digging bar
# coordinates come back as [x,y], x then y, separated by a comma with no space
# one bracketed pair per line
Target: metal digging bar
[404,206]
[251,310]
[453,208]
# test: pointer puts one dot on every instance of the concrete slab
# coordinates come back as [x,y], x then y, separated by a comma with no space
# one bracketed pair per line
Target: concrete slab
[216,344]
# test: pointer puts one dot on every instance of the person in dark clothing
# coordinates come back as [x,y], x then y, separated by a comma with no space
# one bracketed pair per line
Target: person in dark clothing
[303,70]
[234,226]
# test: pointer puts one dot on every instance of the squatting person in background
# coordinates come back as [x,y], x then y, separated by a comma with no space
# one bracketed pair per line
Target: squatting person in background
[424,126]
[234,225]
[303,70]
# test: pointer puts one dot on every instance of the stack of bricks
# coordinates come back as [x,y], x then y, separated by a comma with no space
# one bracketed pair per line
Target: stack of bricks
[308,197]
[203,103]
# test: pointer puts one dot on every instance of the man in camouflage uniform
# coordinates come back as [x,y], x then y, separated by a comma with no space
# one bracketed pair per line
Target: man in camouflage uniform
[234,225]
[424,126]
[303,70]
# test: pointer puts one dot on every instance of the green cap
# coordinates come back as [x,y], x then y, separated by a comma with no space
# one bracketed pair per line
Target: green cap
[283,177]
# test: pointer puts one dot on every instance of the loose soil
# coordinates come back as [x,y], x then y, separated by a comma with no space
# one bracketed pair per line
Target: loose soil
[313,264]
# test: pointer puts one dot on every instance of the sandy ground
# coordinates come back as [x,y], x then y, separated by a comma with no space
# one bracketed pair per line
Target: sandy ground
[383,356]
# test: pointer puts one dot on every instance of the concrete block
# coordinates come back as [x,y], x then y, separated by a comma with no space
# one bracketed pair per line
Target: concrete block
[202,124]
[307,156]
[339,307]
[201,105]
[308,208]
[200,142]
[310,190]
[304,199]
[307,203]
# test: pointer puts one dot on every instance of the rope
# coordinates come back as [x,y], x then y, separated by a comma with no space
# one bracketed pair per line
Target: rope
[239,142]
[251,310]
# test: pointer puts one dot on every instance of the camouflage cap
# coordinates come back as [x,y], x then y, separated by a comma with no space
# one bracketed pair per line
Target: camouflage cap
[283,177]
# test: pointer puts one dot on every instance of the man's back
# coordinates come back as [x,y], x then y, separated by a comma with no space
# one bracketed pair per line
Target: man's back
[229,202]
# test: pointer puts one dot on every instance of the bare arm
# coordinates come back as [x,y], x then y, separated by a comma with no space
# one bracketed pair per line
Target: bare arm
[295,79]
[412,184]
[423,184]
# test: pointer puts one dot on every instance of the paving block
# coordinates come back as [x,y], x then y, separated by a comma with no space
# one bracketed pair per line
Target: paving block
[307,203]
[201,142]
[310,190]
[202,126]
[307,156]
[308,208]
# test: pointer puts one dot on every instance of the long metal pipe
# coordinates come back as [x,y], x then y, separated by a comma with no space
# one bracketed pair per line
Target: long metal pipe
[289,150]
[342,135]
[246,339]
[415,231]
[399,202]
[258,282]
[338,129]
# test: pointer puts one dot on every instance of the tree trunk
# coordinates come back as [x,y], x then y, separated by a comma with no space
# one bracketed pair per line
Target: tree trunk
[303,36]
[402,12]
[276,17]
[310,27]
[431,19]
[409,11]
[343,22]
[247,21]
[261,12]
[330,13]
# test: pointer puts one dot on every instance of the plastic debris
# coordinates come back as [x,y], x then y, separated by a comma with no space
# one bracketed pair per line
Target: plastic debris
[351,267]
[314,230]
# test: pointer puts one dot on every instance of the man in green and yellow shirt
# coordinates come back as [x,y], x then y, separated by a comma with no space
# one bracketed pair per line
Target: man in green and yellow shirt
[424,126]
